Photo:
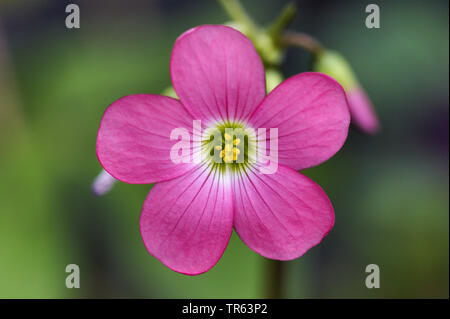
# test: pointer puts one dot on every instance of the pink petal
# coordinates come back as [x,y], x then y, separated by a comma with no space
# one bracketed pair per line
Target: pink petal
[187,222]
[133,142]
[311,113]
[363,114]
[217,73]
[281,216]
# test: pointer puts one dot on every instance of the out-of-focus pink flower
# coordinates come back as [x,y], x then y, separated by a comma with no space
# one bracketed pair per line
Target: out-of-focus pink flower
[362,112]
[103,183]
[188,216]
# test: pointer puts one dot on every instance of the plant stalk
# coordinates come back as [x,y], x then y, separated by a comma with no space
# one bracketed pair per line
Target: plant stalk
[284,19]
[236,12]
[275,279]
[301,40]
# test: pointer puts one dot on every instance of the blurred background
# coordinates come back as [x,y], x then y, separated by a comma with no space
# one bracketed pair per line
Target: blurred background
[390,191]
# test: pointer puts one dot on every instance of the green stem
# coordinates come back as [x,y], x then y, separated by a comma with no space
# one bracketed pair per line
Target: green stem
[237,13]
[301,40]
[275,275]
[283,20]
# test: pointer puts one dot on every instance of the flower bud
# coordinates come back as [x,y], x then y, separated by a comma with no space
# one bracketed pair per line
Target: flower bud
[361,109]
[103,183]
[273,78]
[268,50]
[170,92]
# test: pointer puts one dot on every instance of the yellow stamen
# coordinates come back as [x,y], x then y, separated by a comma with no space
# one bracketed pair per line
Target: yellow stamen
[236,151]
[227,147]
[237,141]
[222,153]
[227,137]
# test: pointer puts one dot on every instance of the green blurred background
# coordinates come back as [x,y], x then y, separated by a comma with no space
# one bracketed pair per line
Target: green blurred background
[390,191]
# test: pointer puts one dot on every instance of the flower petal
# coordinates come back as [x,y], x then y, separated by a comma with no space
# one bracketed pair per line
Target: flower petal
[311,113]
[133,142]
[187,222]
[217,73]
[362,112]
[282,215]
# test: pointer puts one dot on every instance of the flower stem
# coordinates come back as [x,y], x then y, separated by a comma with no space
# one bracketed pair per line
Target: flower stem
[284,19]
[236,11]
[275,282]
[301,40]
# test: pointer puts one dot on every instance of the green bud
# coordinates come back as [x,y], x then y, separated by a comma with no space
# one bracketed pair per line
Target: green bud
[267,49]
[238,26]
[170,92]
[336,66]
[273,78]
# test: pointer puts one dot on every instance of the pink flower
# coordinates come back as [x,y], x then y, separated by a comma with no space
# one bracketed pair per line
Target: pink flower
[188,216]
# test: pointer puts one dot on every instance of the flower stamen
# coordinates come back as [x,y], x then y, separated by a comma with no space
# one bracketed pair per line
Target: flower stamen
[230,145]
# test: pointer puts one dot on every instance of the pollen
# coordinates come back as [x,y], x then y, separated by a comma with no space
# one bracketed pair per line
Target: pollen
[228,158]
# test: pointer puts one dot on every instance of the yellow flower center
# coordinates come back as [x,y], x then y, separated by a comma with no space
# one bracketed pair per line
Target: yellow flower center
[230,146]
[230,153]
